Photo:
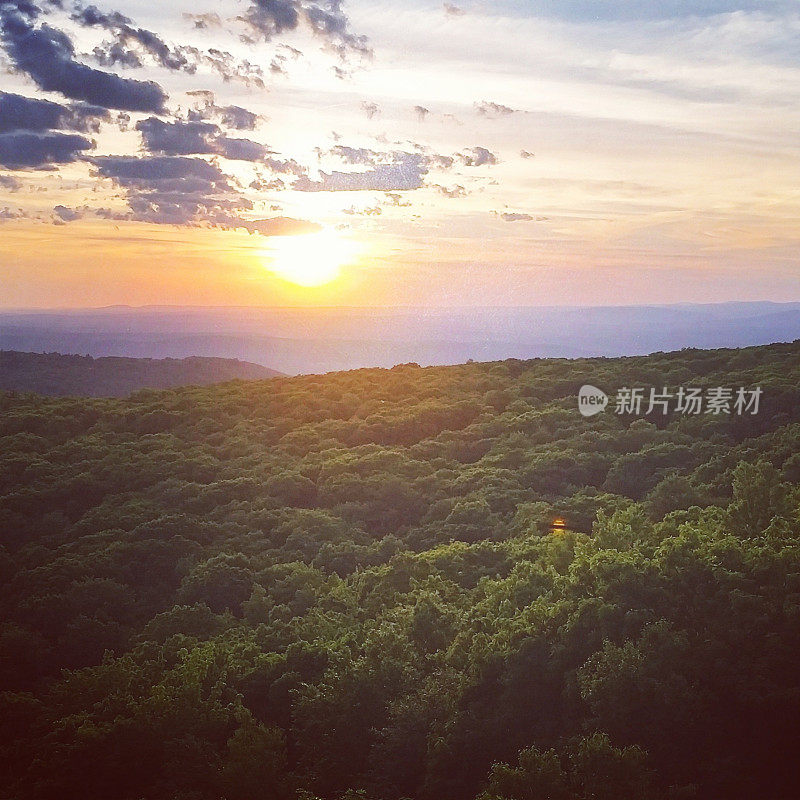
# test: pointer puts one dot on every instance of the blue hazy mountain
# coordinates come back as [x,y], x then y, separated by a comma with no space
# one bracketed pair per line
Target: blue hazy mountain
[303,340]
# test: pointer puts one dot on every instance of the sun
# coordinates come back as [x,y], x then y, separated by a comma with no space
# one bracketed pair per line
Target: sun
[310,259]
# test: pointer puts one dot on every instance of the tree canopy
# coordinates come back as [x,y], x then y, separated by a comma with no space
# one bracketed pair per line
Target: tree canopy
[349,587]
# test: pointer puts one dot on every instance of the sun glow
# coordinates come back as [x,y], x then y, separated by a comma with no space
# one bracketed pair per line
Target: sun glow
[311,259]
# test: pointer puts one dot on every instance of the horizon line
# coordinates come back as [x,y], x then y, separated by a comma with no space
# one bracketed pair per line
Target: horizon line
[473,307]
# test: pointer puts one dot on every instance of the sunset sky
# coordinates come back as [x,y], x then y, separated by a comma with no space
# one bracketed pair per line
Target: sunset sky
[288,152]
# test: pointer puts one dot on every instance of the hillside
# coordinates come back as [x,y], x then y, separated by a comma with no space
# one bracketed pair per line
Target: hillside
[71,375]
[352,587]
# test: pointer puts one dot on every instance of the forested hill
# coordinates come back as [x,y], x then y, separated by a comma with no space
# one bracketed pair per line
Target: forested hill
[71,375]
[351,587]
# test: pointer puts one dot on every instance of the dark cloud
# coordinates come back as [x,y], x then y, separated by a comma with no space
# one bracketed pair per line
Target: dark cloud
[268,18]
[241,149]
[110,214]
[356,155]
[170,189]
[285,166]
[188,191]
[477,157]
[18,113]
[47,55]
[67,214]
[130,43]
[11,213]
[27,114]
[231,68]
[177,138]
[493,110]
[131,170]
[196,138]
[9,183]
[405,173]
[526,154]
[130,40]
[238,118]
[235,117]
[26,150]
[421,112]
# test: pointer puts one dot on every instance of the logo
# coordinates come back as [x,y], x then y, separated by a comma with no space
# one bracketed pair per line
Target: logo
[591,400]
[638,401]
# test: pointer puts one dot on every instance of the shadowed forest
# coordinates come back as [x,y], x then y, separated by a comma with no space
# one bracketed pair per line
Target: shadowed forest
[64,375]
[349,587]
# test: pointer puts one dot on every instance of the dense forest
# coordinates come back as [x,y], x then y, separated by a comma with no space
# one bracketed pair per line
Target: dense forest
[63,375]
[353,587]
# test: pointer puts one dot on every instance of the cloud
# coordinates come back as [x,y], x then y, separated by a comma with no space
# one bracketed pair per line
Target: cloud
[453,192]
[268,18]
[516,217]
[369,211]
[404,174]
[10,213]
[130,43]
[172,190]
[372,110]
[196,138]
[236,117]
[286,166]
[67,214]
[477,157]
[26,150]
[493,110]
[263,185]
[453,11]
[231,68]
[25,113]
[177,138]
[396,200]
[526,154]
[440,161]
[356,155]
[281,59]
[276,226]
[241,149]
[19,113]
[129,39]
[204,21]
[421,113]
[47,55]
[9,183]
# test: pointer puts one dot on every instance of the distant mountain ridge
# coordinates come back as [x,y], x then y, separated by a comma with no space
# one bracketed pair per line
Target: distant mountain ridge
[73,375]
[317,340]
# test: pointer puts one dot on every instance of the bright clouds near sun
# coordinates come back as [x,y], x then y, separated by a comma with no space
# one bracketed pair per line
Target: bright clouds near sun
[661,131]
